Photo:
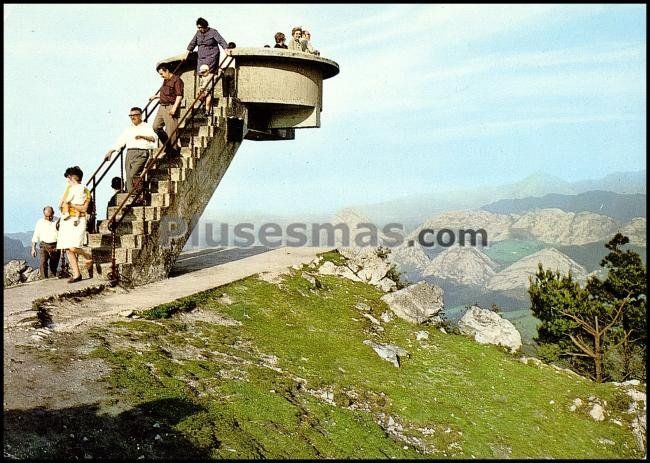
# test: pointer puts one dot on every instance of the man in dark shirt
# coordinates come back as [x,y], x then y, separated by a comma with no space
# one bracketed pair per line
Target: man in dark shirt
[171,94]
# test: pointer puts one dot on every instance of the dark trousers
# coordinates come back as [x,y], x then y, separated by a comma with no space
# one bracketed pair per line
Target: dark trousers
[50,253]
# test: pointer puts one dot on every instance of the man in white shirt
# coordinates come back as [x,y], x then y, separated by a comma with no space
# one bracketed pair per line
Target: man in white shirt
[139,140]
[45,235]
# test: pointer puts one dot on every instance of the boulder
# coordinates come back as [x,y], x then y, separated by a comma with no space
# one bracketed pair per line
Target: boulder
[31,275]
[363,264]
[418,303]
[488,327]
[388,352]
[13,272]
[315,282]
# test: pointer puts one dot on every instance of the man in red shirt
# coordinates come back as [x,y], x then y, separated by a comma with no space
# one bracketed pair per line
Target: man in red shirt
[171,94]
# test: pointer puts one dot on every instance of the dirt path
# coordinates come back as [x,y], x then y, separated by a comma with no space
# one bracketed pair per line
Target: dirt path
[40,363]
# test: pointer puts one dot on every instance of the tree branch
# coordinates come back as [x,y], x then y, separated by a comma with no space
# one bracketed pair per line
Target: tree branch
[588,328]
[618,313]
[582,347]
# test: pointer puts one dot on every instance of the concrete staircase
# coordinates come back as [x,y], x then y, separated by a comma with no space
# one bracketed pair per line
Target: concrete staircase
[264,96]
[150,236]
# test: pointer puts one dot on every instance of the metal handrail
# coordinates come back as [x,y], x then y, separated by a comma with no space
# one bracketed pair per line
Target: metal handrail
[112,221]
[151,162]
[95,182]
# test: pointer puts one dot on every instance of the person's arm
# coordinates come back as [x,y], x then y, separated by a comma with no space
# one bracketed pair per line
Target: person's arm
[179,88]
[147,134]
[192,45]
[121,143]
[176,105]
[36,237]
[220,40]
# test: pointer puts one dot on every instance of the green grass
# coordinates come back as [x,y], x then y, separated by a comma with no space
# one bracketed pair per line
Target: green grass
[477,400]
[509,251]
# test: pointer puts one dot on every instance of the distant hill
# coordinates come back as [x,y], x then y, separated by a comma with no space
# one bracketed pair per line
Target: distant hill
[24,237]
[515,277]
[618,182]
[462,265]
[622,207]
[14,249]
[412,210]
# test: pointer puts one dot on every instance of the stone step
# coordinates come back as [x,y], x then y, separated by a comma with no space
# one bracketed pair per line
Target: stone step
[122,196]
[199,142]
[96,240]
[165,186]
[177,173]
[160,199]
[138,213]
[136,227]
[206,131]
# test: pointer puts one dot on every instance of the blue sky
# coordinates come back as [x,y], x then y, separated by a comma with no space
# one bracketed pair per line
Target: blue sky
[429,97]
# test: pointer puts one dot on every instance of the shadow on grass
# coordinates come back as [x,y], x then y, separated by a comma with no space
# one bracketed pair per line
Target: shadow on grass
[80,432]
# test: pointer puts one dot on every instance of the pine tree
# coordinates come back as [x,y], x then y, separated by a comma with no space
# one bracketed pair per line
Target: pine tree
[598,330]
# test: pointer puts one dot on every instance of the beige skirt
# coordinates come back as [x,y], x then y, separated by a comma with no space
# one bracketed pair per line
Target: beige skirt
[71,235]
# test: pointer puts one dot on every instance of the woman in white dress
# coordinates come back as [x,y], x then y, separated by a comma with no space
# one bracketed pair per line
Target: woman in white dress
[72,226]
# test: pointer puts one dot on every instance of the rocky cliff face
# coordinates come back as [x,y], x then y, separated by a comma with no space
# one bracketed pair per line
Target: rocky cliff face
[554,226]
[497,226]
[409,260]
[635,230]
[463,265]
[515,277]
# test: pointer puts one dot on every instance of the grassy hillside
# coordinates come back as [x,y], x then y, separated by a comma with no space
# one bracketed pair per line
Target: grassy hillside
[281,371]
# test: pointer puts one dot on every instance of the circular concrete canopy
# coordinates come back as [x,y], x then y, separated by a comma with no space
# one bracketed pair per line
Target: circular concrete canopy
[328,67]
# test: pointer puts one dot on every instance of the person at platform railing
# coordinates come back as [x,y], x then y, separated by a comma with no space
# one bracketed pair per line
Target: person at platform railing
[306,44]
[280,40]
[295,44]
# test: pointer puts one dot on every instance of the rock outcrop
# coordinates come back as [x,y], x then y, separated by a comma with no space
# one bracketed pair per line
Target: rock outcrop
[497,226]
[363,264]
[410,260]
[465,265]
[554,226]
[389,352]
[418,303]
[635,230]
[17,271]
[515,277]
[488,327]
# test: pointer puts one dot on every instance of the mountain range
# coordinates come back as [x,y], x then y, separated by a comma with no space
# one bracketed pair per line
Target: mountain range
[622,207]
[413,210]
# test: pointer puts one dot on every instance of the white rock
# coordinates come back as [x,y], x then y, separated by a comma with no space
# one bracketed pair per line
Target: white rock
[372,319]
[597,412]
[420,335]
[418,303]
[389,352]
[488,327]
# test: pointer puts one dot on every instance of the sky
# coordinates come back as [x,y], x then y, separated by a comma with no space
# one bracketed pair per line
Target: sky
[429,97]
